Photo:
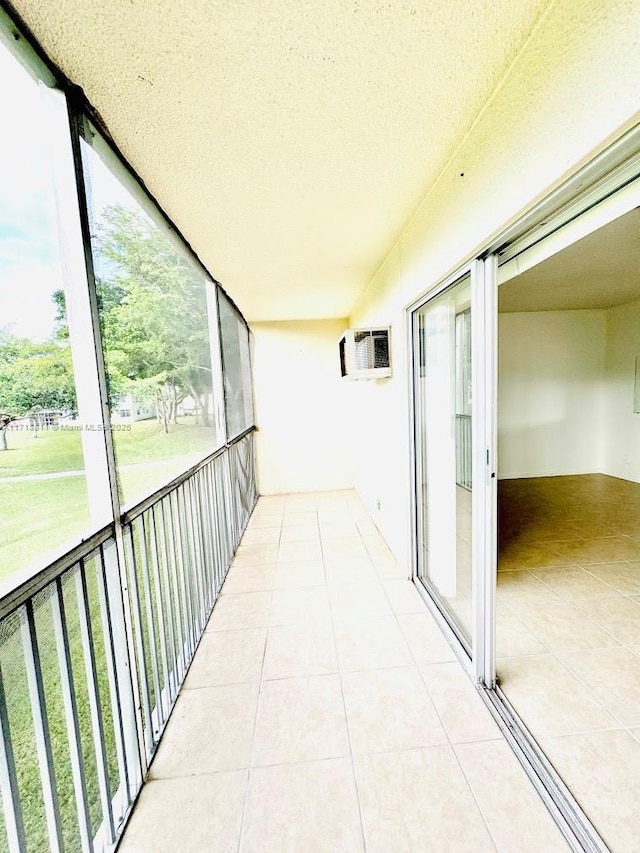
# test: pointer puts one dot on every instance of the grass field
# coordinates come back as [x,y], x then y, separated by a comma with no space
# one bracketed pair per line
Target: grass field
[38,518]
[21,723]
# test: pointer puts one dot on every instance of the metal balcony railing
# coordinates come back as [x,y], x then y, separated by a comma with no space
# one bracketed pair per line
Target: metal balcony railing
[93,651]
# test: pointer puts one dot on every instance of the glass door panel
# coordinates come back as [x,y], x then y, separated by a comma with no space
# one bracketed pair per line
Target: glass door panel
[443,422]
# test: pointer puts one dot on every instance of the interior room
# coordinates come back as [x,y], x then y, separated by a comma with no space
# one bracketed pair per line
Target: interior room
[568,635]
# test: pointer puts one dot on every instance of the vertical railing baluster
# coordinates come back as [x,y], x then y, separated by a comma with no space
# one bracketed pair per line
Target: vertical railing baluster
[41,730]
[208,541]
[134,596]
[124,666]
[193,550]
[11,806]
[72,720]
[151,628]
[163,579]
[93,690]
[176,525]
[185,536]
[150,517]
[215,539]
[172,566]
[112,675]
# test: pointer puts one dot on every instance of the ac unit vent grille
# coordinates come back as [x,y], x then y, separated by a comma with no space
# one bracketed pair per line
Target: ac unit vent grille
[372,349]
[365,354]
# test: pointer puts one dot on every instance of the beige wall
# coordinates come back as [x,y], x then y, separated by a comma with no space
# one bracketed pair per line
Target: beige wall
[622,425]
[574,87]
[302,407]
[551,373]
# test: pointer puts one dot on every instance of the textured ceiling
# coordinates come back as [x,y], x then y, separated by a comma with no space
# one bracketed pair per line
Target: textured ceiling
[599,271]
[290,142]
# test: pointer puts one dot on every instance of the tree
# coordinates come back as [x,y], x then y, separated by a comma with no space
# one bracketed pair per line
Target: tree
[33,377]
[153,311]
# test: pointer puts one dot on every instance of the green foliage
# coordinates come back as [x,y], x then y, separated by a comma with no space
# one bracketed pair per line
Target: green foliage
[153,313]
[35,376]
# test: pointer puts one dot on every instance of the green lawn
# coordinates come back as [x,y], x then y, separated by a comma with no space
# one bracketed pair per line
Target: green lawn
[21,722]
[39,518]
[49,451]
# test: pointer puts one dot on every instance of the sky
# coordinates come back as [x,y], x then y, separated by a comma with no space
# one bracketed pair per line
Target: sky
[30,260]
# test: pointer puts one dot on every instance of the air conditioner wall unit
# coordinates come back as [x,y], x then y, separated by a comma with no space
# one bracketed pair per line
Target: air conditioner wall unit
[365,354]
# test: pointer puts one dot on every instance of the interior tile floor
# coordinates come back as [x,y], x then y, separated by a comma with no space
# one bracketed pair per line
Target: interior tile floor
[569,635]
[324,711]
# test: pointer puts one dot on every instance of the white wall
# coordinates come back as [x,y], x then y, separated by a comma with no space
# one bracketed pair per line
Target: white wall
[550,393]
[302,407]
[622,426]
[574,87]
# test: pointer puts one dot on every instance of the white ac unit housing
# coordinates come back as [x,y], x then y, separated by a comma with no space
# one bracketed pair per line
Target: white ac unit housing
[365,354]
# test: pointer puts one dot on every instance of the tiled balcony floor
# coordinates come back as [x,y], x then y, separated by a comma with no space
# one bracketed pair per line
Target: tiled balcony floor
[324,711]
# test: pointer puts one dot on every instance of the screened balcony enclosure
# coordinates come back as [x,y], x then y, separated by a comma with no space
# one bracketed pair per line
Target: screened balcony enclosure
[252,599]
[127,471]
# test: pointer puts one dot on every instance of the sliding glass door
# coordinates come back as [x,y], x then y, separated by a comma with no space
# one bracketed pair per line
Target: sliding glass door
[453,342]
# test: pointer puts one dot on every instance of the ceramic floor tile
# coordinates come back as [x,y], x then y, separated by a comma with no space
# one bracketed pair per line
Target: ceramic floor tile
[300,503]
[300,719]
[249,579]
[349,570]
[390,709]
[256,555]
[296,575]
[404,596]
[335,530]
[388,568]
[264,520]
[514,812]
[345,548]
[366,526]
[518,586]
[370,643]
[549,699]
[573,582]
[416,801]
[227,657]
[619,616]
[305,517]
[298,552]
[210,810]
[300,533]
[261,536]
[425,639]
[376,545]
[524,555]
[351,600]
[462,711]
[210,729]
[598,549]
[625,577]
[271,503]
[240,610]
[562,627]
[602,769]
[512,638]
[296,650]
[299,605]
[303,807]
[612,676]
[328,516]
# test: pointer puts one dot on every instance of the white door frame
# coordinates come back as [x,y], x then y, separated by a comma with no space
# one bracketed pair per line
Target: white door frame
[484,501]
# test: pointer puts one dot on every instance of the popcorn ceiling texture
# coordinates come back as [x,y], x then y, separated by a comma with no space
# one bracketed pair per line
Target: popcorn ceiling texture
[290,142]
